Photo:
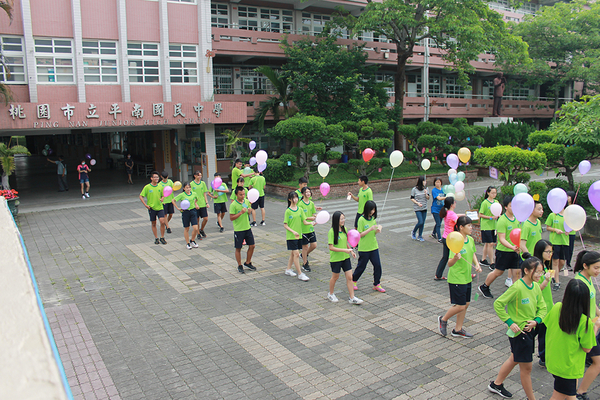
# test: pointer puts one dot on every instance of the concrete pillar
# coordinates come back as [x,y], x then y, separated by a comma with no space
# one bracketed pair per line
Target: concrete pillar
[123,65]
[164,50]
[78,50]
[29,48]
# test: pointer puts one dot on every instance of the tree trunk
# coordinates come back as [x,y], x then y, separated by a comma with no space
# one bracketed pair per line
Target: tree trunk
[569,175]
[5,184]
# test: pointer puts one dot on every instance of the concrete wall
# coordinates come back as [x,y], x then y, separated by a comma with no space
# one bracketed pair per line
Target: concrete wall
[30,366]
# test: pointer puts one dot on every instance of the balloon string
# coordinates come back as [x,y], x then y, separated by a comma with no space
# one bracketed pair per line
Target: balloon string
[581,237]
[388,190]
[575,199]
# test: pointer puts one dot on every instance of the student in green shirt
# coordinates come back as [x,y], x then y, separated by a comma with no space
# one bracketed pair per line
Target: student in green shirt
[238,183]
[188,216]
[543,251]
[220,202]
[488,226]
[242,234]
[571,334]
[309,237]
[586,268]
[302,183]
[555,224]
[339,257]
[167,201]
[368,249]
[154,197]
[258,183]
[522,308]
[200,190]
[364,194]
[293,221]
[459,280]
[531,229]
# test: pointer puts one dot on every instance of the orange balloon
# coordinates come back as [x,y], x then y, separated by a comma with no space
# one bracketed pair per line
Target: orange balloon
[367,154]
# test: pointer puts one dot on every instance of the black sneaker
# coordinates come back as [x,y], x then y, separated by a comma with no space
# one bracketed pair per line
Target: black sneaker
[462,333]
[492,266]
[485,291]
[168,230]
[582,396]
[305,268]
[484,262]
[250,266]
[199,237]
[241,269]
[221,229]
[499,389]
[202,233]
[253,224]
[156,241]
[163,241]
[262,223]
[556,286]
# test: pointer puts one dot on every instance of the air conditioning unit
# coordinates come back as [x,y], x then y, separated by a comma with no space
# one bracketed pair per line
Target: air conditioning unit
[386,55]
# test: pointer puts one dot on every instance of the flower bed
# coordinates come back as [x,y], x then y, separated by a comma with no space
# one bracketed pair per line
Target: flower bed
[9,194]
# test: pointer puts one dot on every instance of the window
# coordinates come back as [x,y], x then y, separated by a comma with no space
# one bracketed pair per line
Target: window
[54,60]
[14,58]
[219,15]
[223,80]
[183,63]
[435,87]
[183,1]
[389,78]
[255,83]
[453,89]
[143,62]
[100,61]
[313,24]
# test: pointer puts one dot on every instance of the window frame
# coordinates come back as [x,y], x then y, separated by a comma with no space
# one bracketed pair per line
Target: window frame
[183,59]
[143,58]
[54,55]
[101,57]
[8,53]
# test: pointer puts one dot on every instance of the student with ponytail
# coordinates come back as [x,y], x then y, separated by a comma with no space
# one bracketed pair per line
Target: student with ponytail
[543,251]
[488,226]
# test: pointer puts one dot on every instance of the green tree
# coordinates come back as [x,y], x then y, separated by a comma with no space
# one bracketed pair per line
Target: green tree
[358,136]
[511,133]
[7,160]
[234,143]
[7,6]
[276,103]
[463,29]
[512,162]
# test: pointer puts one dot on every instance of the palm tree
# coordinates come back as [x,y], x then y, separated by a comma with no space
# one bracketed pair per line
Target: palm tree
[7,160]
[233,143]
[7,6]
[274,103]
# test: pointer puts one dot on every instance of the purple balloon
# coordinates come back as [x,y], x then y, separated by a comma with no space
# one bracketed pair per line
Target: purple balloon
[88,156]
[252,145]
[567,228]
[522,206]
[452,161]
[594,195]
[252,161]
[584,167]
[557,200]
[262,167]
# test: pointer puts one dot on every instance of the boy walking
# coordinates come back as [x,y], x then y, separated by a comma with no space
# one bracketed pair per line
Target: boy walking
[168,201]
[154,197]
[258,183]
[220,202]
[200,190]
[364,194]
[241,229]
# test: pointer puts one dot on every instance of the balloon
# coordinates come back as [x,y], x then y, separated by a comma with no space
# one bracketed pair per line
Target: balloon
[247,170]
[451,171]
[323,169]
[459,186]
[515,237]
[49,151]
[252,145]
[324,188]
[425,164]
[449,189]
[216,183]
[322,217]
[453,178]
[367,154]
[167,191]
[575,216]
[452,161]
[184,204]
[396,158]
[519,188]
[93,162]
[262,167]
[353,237]
[88,156]
[451,194]
[464,154]
[584,167]
[460,196]
[45,152]
[253,195]
[252,161]
[455,242]
[496,209]
[461,176]
[557,200]
[261,157]
[567,227]
[177,185]
[47,147]
[522,206]
[594,195]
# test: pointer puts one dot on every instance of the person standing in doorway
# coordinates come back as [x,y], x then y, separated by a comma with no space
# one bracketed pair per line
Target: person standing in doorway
[364,194]
[63,186]
[167,201]
[419,196]
[129,168]
[499,85]
[154,197]
[83,170]
[200,190]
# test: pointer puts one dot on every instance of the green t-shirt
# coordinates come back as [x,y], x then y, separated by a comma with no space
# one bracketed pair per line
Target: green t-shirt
[299,193]
[235,174]
[532,233]
[547,292]
[258,183]
[460,272]
[309,210]
[335,256]
[163,185]
[364,195]
[487,224]
[564,352]
[294,220]
[153,195]
[557,221]
[221,196]
[189,197]
[241,223]
[199,189]
[234,196]
[592,293]
[523,303]
[506,225]
[369,241]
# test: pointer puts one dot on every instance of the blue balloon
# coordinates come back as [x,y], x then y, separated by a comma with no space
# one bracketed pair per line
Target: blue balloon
[453,178]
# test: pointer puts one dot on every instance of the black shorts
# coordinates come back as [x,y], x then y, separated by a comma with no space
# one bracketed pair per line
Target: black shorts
[507,260]
[595,351]
[202,212]
[294,244]
[240,236]
[168,208]
[522,347]
[338,266]
[560,252]
[564,386]
[259,203]
[308,238]
[220,208]
[460,294]
[488,237]
[156,213]
[189,218]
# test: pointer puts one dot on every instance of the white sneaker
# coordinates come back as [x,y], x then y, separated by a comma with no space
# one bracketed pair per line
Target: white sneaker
[188,246]
[508,282]
[83,196]
[87,194]
[355,300]
[194,244]
[303,277]
[289,272]
[332,298]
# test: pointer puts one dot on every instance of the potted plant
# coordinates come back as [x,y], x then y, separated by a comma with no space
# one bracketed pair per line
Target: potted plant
[7,162]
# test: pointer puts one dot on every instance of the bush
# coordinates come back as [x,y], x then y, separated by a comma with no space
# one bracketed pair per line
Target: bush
[288,157]
[278,171]
[555,182]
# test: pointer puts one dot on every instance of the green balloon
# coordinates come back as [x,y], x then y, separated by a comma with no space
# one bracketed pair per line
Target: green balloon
[519,188]
[461,176]
[449,189]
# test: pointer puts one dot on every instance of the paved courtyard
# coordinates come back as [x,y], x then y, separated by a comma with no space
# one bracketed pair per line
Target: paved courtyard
[135,320]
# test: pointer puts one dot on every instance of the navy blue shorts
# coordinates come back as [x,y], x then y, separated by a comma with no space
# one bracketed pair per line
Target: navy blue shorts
[259,203]
[460,294]
[488,237]
[201,212]
[507,260]
[156,213]
[338,266]
[220,208]
[240,236]
[568,387]
[189,218]
[308,238]
[168,208]
[560,252]
[294,244]
[522,346]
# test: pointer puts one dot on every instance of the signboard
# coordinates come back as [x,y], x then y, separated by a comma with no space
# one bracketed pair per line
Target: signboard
[493,173]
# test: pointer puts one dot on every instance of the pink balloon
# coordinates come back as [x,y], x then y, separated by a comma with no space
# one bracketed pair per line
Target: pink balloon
[93,162]
[167,191]
[367,154]
[322,217]
[496,209]
[262,167]
[353,237]
[324,188]
[452,161]
[216,183]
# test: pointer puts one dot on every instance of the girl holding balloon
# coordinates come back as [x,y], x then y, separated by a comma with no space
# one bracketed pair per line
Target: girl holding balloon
[219,194]
[489,212]
[462,247]
[368,249]
[293,221]
[450,218]
[309,237]
[187,207]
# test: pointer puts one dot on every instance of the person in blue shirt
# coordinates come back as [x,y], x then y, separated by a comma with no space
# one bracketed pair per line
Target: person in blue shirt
[438,203]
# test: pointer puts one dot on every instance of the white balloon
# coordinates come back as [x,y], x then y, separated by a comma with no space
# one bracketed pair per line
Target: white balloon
[575,217]
[496,209]
[322,217]
[323,169]
[459,186]
[396,158]
[425,164]
[451,171]
[261,157]
[460,196]
[450,194]
[253,195]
